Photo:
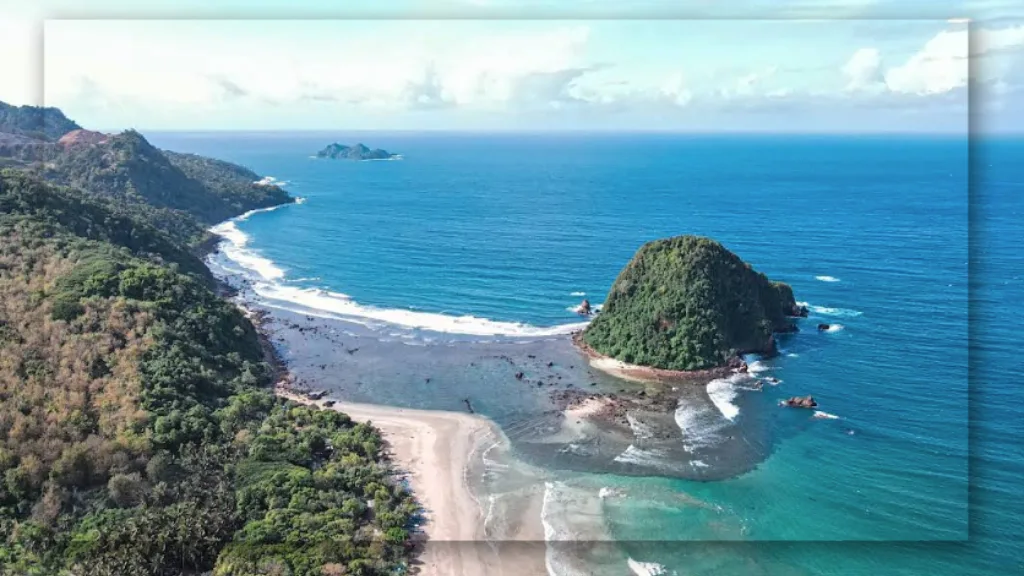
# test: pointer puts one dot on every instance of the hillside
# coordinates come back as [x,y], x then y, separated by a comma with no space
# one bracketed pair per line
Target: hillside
[94,219]
[138,434]
[687,303]
[181,194]
[130,169]
[34,122]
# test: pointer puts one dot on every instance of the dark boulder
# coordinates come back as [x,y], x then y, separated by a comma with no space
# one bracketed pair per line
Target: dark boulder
[584,308]
[800,402]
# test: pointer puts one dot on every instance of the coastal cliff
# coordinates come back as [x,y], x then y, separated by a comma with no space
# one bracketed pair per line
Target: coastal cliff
[135,401]
[688,303]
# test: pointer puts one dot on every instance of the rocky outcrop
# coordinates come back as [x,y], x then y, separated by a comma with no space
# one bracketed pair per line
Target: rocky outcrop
[83,137]
[337,151]
[798,311]
[800,402]
[688,303]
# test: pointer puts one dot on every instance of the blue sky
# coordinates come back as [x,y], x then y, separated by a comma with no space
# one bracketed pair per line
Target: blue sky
[836,72]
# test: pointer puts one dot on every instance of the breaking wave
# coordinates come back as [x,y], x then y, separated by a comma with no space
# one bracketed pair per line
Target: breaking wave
[829,311]
[646,568]
[269,181]
[650,458]
[235,249]
[722,392]
[271,285]
[570,515]
[699,424]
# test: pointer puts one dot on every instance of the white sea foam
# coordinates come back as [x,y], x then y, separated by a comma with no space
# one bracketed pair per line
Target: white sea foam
[235,249]
[246,216]
[825,415]
[699,424]
[834,328]
[578,294]
[827,278]
[269,181]
[641,457]
[569,515]
[830,311]
[757,366]
[343,307]
[338,305]
[645,568]
[792,355]
[722,392]
[698,464]
[606,492]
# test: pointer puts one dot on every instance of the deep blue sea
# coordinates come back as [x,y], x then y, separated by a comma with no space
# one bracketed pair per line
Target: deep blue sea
[907,246]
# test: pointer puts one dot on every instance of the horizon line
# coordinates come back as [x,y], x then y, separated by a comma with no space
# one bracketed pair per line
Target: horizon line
[969,132]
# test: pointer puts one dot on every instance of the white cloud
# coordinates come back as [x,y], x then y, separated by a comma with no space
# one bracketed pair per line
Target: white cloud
[515,69]
[863,71]
[18,81]
[510,70]
[939,67]
[942,64]
[1002,39]
[675,90]
[750,84]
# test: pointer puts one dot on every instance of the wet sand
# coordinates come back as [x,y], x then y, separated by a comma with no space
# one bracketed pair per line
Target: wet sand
[435,448]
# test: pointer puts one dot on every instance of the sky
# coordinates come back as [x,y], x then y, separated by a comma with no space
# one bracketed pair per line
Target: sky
[789,65]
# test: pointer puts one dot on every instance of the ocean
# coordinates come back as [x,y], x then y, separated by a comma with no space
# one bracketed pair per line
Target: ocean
[423,281]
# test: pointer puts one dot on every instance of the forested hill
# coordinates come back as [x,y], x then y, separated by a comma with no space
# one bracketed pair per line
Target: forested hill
[129,168]
[688,303]
[34,122]
[182,194]
[138,435]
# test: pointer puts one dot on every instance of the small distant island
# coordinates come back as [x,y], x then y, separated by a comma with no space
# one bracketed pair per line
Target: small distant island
[358,152]
[686,304]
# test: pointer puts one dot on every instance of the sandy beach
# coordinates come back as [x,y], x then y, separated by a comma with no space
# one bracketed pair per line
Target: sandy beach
[435,449]
[645,374]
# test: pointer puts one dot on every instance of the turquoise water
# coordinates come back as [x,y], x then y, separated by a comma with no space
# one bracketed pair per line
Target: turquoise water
[473,243]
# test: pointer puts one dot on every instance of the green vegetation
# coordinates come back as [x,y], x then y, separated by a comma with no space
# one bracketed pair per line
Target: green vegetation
[687,303]
[181,194]
[137,435]
[358,152]
[122,225]
[188,188]
[34,122]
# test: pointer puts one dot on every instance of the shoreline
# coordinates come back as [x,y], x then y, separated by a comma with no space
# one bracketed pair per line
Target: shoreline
[638,373]
[433,449]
